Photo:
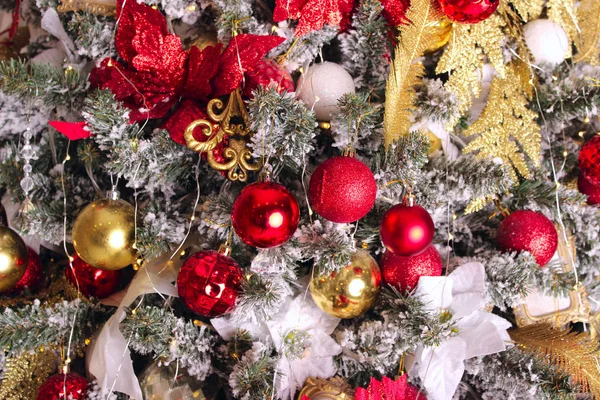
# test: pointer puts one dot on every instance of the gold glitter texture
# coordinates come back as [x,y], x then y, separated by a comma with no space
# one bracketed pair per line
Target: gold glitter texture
[528,9]
[563,13]
[413,41]
[506,124]
[24,374]
[588,15]
[463,59]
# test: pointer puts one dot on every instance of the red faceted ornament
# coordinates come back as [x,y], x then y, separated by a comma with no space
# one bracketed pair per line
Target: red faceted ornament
[399,389]
[469,11]
[406,230]
[589,160]
[342,189]
[530,231]
[209,282]
[589,188]
[266,72]
[63,386]
[403,273]
[32,276]
[265,214]
[93,282]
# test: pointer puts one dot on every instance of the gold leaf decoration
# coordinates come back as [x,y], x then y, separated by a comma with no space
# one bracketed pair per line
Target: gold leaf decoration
[414,39]
[571,353]
[24,374]
[464,58]
[563,13]
[507,124]
[588,42]
[478,204]
[529,9]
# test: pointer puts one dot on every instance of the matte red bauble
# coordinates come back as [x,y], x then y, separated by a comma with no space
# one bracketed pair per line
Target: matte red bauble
[587,187]
[93,282]
[32,276]
[70,386]
[209,282]
[589,160]
[469,11]
[265,214]
[266,72]
[403,273]
[342,189]
[530,231]
[406,230]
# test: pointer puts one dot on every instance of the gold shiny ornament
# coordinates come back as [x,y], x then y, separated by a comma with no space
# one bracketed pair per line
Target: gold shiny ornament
[321,389]
[435,143]
[234,122]
[13,258]
[169,383]
[441,31]
[98,7]
[350,291]
[208,39]
[104,234]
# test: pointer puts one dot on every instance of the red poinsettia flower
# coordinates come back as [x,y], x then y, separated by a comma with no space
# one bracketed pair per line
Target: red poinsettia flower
[314,14]
[388,389]
[395,11]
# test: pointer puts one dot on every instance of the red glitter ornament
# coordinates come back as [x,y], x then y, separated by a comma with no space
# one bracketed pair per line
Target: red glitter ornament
[342,189]
[403,273]
[587,187]
[388,389]
[469,11]
[33,274]
[93,282]
[530,231]
[209,282]
[266,72]
[265,214]
[62,387]
[406,230]
[589,160]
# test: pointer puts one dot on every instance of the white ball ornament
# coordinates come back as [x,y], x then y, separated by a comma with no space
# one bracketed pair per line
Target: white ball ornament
[547,41]
[321,86]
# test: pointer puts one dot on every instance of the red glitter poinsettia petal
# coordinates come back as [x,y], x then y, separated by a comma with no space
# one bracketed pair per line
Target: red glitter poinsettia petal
[164,58]
[130,14]
[388,389]
[187,112]
[346,9]
[72,130]
[287,9]
[202,67]
[395,11]
[242,53]
[314,16]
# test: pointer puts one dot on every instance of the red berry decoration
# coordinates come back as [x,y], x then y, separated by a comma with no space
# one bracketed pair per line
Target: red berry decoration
[406,230]
[32,276]
[589,160]
[266,72]
[209,282]
[587,187]
[403,273]
[70,386]
[530,231]
[342,189]
[93,282]
[265,214]
[469,11]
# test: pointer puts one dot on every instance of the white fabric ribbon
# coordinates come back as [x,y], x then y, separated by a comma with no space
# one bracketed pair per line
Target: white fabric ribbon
[56,56]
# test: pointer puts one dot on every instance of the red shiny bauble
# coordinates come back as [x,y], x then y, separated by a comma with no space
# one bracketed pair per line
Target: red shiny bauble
[63,386]
[403,273]
[32,276]
[266,72]
[93,282]
[209,282]
[589,188]
[469,11]
[342,189]
[589,160]
[530,231]
[406,230]
[265,214]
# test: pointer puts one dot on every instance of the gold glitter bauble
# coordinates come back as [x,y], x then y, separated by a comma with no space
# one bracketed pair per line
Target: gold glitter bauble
[104,234]
[13,258]
[442,30]
[351,291]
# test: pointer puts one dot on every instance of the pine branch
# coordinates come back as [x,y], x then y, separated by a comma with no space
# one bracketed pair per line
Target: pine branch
[358,123]
[252,377]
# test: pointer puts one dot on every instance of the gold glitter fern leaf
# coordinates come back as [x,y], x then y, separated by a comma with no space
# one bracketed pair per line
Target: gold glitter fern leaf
[571,353]
[529,9]
[588,43]
[464,58]
[24,374]
[506,124]
[414,39]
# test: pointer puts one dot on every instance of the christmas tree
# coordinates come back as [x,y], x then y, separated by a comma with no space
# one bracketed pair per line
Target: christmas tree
[289,199]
